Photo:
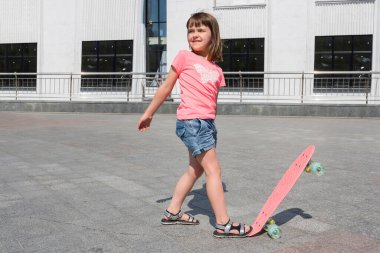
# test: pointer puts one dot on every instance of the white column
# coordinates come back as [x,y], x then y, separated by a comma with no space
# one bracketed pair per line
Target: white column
[139,49]
[376,38]
[56,46]
[310,37]
[287,35]
[286,45]
[58,35]
[375,86]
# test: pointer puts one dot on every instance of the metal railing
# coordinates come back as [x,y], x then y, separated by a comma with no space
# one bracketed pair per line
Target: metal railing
[287,87]
[333,87]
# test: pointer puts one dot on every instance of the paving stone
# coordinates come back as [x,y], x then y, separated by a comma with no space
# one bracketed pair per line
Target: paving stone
[93,183]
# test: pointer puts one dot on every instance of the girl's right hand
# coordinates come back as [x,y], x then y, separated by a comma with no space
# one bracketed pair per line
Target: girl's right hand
[161,94]
[144,123]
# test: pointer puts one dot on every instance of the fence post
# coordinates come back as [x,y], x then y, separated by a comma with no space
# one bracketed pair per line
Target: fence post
[366,90]
[143,85]
[16,85]
[241,86]
[71,86]
[129,86]
[302,86]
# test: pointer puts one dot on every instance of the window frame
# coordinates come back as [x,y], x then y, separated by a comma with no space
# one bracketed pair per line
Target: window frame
[248,49]
[342,83]
[26,53]
[106,51]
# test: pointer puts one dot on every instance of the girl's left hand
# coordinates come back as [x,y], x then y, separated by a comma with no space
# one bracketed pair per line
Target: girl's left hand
[144,123]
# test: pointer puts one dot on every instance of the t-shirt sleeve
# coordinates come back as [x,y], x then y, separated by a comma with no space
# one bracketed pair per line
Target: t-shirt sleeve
[222,82]
[179,62]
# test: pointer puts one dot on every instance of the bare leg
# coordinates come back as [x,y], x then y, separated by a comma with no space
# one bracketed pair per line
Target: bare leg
[209,161]
[214,184]
[184,186]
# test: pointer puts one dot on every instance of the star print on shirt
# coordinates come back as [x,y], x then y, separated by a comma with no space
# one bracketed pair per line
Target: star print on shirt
[206,74]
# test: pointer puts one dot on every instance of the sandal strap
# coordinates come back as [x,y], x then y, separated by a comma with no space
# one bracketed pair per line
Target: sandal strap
[171,216]
[242,228]
[229,226]
[226,227]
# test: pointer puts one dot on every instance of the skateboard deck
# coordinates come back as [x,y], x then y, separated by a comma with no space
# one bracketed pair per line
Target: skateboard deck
[282,189]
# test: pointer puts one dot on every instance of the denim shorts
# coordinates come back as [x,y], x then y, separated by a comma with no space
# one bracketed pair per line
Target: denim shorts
[199,135]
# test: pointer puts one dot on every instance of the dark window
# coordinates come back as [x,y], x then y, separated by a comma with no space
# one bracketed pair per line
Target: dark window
[244,55]
[156,36]
[18,58]
[106,56]
[343,53]
[155,58]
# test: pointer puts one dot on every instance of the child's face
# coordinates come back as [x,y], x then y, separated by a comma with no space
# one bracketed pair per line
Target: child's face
[199,39]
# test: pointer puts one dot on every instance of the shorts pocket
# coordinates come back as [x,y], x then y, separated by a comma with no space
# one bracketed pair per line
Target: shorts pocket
[180,129]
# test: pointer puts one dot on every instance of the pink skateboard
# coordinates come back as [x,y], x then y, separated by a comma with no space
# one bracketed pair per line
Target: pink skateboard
[302,163]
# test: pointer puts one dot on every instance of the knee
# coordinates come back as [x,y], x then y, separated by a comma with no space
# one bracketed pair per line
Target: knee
[195,171]
[214,172]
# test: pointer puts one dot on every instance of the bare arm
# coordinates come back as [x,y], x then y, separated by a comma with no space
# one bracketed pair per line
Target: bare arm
[217,95]
[161,94]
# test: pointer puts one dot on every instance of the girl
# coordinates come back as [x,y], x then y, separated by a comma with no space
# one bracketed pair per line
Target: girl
[200,79]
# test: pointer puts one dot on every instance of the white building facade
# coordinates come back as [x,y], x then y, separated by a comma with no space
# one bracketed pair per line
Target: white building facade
[284,34]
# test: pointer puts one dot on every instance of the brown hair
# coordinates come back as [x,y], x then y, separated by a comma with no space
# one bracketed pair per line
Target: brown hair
[216,46]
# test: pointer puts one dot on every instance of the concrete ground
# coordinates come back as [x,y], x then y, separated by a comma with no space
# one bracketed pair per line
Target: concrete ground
[92,183]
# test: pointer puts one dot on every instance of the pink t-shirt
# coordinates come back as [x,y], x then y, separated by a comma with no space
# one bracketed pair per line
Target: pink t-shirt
[199,80]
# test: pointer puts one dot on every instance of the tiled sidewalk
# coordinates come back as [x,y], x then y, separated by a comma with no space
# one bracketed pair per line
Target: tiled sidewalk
[93,183]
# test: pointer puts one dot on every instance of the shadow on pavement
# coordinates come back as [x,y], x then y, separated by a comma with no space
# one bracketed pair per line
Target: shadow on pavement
[199,204]
[287,215]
